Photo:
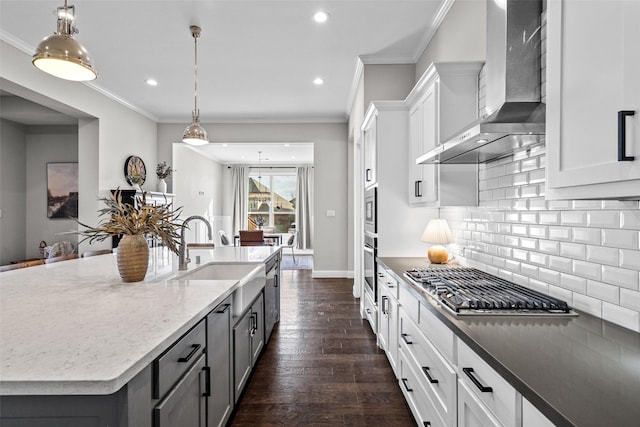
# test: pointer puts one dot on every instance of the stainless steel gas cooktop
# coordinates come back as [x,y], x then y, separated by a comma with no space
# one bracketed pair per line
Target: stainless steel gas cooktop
[467,291]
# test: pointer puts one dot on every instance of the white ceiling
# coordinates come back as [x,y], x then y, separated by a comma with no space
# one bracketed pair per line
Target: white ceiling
[256,58]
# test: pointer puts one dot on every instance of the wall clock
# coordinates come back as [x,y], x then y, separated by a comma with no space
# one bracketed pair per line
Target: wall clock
[135,171]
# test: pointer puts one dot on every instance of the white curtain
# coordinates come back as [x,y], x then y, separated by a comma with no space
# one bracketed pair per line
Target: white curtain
[240,210]
[304,207]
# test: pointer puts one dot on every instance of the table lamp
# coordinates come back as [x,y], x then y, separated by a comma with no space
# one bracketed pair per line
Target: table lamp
[437,232]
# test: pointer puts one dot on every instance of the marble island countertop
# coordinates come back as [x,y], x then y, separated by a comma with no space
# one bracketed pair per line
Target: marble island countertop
[75,328]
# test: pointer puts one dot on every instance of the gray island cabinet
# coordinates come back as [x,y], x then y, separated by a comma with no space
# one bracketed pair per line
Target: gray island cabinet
[170,341]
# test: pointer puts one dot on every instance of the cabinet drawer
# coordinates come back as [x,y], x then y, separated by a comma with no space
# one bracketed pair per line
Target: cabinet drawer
[370,312]
[392,284]
[441,336]
[169,367]
[434,372]
[471,411]
[409,302]
[421,405]
[501,399]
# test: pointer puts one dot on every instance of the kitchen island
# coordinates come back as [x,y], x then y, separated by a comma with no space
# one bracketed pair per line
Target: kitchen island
[581,371]
[75,329]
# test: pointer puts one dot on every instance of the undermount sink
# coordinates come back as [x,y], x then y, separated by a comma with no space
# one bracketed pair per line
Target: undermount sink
[251,279]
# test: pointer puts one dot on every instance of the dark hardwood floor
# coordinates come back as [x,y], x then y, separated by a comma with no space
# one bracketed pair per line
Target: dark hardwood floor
[322,366]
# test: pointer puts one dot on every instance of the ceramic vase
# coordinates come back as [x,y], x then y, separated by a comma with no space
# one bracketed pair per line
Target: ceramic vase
[162,185]
[133,258]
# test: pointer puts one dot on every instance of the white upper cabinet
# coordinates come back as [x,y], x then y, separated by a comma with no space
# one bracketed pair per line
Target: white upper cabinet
[593,94]
[441,103]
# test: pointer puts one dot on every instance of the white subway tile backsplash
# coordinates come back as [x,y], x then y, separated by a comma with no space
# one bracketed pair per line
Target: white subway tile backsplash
[603,219]
[549,276]
[573,250]
[587,269]
[590,236]
[560,233]
[575,218]
[549,217]
[563,294]
[574,283]
[630,220]
[560,264]
[623,239]
[586,252]
[587,304]
[621,316]
[603,255]
[630,259]
[603,291]
[630,299]
[620,277]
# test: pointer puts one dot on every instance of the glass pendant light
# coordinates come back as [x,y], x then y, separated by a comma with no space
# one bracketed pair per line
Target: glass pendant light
[61,55]
[195,134]
[263,198]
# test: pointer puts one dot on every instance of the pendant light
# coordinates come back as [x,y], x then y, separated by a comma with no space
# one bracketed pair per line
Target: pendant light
[195,134]
[61,55]
[263,198]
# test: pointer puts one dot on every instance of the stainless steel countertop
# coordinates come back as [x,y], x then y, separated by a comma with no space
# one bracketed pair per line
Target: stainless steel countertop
[581,371]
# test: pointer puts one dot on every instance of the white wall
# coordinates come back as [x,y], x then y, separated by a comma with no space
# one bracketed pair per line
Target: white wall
[461,36]
[197,184]
[13,175]
[121,131]
[330,158]
[46,144]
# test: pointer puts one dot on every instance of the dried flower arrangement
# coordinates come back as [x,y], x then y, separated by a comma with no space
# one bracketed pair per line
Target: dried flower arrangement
[140,218]
[163,170]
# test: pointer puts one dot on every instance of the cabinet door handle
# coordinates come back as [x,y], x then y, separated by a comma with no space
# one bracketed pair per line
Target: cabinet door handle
[406,387]
[417,189]
[368,175]
[622,135]
[404,338]
[224,309]
[194,350]
[390,285]
[427,423]
[469,372]
[425,369]
[385,309]
[207,381]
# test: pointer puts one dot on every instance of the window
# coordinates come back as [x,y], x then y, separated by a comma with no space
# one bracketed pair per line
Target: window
[272,200]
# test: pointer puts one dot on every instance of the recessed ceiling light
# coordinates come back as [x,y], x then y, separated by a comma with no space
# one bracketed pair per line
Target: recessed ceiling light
[152,82]
[321,16]
[318,81]
[293,157]
[286,145]
[225,145]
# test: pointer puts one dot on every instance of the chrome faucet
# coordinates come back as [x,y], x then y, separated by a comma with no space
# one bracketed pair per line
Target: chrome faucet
[182,259]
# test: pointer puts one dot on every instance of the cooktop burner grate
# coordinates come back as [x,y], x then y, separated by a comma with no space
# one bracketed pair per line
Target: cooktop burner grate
[469,291]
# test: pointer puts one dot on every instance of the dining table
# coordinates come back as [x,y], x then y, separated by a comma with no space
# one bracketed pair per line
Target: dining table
[273,236]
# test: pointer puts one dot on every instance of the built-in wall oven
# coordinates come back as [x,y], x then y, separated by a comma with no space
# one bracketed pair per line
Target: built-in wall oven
[371,210]
[370,266]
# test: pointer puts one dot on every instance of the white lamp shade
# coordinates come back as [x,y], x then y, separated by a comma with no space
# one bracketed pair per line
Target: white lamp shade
[437,232]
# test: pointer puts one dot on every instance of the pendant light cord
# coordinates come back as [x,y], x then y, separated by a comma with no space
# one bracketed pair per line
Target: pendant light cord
[195,31]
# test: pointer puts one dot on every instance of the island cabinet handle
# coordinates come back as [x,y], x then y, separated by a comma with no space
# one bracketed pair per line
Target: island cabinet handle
[426,423]
[622,135]
[194,350]
[207,381]
[469,372]
[425,369]
[404,338]
[224,309]
[406,387]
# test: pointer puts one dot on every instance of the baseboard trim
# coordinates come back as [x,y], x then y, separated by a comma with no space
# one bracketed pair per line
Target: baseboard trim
[330,273]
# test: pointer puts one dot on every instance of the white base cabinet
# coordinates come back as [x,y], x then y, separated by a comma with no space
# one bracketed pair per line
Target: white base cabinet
[248,341]
[443,380]
[592,75]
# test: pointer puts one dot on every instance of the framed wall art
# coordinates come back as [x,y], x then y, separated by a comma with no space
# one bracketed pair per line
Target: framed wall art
[135,172]
[62,190]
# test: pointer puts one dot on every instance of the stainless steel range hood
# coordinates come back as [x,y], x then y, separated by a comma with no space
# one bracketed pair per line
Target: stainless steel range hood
[515,116]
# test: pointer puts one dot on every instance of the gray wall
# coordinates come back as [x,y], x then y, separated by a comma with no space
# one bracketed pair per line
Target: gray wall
[330,191]
[13,176]
[46,144]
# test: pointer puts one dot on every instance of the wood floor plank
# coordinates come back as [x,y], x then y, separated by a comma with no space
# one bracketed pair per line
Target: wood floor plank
[322,366]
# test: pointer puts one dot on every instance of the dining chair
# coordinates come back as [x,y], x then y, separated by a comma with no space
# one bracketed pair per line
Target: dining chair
[251,238]
[290,244]
[86,254]
[22,264]
[61,258]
